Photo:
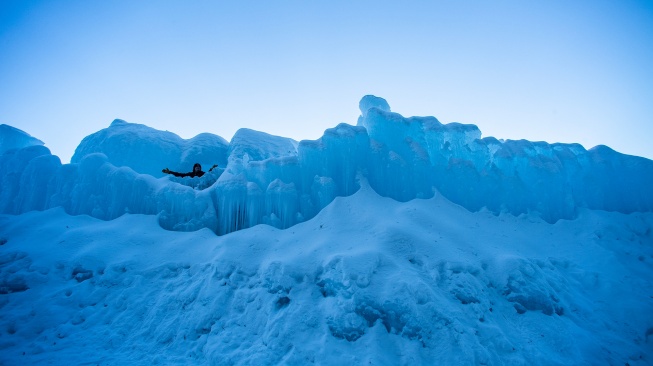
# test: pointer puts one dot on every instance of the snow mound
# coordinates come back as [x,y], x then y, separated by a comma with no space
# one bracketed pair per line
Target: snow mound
[265,179]
[368,281]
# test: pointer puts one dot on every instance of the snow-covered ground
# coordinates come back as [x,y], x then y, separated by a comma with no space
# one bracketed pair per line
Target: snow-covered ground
[367,281]
[400,241]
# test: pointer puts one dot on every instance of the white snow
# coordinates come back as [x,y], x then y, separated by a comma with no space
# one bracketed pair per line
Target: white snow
[397,241]
[368,280]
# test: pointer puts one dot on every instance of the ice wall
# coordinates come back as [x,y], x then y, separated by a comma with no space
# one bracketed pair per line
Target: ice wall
[148,151]
[13,138]
[265,179]
[25,176]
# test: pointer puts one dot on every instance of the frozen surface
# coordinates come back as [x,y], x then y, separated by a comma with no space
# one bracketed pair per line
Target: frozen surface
[147,151]
[13,138]
[368,281]
[406,242]
[265,179]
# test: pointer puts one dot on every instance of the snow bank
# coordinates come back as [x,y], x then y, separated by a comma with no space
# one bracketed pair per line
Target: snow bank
[368,281]
[427,244]
[265,179]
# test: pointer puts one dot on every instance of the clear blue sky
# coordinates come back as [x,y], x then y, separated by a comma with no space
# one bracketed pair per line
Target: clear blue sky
[555,71]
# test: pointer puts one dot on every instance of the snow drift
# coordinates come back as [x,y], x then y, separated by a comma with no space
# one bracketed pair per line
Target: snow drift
[368,281]
[273,180]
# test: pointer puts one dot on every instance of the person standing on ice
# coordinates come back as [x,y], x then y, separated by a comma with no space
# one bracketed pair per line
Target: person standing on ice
[197,171]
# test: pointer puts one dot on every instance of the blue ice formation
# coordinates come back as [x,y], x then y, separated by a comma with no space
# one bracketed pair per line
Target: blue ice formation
[273,180]
[13,138]
[147,151]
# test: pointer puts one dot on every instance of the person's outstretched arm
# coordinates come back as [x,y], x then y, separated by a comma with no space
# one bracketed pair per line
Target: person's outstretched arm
[180,175]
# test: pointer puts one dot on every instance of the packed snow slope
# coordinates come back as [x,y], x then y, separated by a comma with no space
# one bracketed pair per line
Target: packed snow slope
[368,281]
[277,181]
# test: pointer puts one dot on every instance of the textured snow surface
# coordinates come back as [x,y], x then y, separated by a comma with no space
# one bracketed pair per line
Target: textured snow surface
[265,179]
[368,281]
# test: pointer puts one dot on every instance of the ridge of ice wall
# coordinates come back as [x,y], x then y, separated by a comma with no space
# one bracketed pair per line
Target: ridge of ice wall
[148,151]
[13,138]
[265,179]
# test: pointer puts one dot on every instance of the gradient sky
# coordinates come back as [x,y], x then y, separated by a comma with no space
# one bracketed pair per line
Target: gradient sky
[555,71]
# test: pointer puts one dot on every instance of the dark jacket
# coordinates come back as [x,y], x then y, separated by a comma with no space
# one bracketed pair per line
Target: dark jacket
[191,174]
